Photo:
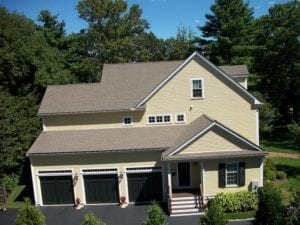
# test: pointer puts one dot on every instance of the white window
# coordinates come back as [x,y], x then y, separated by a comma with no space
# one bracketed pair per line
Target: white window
[159,119]
[127,120]
[197,88]
[180,118]
[232,174]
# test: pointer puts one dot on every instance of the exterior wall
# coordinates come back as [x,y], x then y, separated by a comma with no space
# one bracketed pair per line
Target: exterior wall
[252,173]
[213,141]
[220,102]
[92,161]
[195,175]
[242,81]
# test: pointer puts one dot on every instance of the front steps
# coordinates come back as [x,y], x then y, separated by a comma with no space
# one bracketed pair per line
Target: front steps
[183,206]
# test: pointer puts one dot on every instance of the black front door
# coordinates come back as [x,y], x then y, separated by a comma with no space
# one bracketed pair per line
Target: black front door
[57,190]
[184,176]
[101,188]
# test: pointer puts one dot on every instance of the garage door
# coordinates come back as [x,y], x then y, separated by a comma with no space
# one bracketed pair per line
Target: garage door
[144,186]
[57,190]
[101,188]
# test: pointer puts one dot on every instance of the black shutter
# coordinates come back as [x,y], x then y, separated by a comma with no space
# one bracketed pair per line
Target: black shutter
[222,175]
[242,174]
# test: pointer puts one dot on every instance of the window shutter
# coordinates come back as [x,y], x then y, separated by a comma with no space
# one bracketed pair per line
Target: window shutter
[222,175]
[242,174]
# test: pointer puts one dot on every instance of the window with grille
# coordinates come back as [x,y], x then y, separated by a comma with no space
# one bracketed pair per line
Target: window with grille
[197,88]
[231,174]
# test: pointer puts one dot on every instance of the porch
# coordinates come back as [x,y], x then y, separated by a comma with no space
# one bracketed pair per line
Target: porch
[185,188]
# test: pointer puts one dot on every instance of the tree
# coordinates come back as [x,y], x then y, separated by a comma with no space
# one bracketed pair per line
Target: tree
[112,28]
[214,215]
[277,57]
[29,214]
[270,208]
[155,215]
[91,219]
[227,34]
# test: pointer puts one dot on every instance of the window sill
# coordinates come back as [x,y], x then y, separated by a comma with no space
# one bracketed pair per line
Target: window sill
[197,98]
[231,186]
[127,125]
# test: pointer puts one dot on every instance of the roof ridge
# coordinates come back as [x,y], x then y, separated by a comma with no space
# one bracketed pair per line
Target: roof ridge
[127,63]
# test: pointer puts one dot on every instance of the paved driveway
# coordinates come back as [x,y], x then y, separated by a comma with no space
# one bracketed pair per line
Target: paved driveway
[111,215]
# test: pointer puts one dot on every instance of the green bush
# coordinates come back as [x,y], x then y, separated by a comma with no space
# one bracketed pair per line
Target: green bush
[91,219]
[214,214]
[270,208]
[281,175]
[9,182]
[155,216]
[30,215]
[270,175]
[242,201]
[294,129]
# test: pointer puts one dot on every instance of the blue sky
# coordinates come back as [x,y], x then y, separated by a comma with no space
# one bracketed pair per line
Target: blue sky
[164,16]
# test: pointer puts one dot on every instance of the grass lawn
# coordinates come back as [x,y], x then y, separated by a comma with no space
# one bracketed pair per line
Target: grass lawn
[13,200]
[279,146]
[240,215]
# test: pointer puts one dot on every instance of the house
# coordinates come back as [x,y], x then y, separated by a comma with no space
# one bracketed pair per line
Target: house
[177,131]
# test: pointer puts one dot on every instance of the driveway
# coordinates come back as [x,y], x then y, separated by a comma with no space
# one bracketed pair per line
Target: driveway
[111,215]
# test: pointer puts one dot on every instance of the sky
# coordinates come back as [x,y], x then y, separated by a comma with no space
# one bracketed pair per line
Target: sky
[164,16]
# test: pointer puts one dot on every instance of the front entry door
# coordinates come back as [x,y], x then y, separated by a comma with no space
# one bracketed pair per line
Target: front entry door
[184,176]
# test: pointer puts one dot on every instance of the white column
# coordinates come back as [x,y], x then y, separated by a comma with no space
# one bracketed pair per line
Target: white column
[261,173]
[169,180]
[257,125]
[202,170]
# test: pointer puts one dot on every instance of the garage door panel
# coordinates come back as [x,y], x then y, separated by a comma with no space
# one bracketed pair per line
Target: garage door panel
[57,190]
[101,188]
[145,187]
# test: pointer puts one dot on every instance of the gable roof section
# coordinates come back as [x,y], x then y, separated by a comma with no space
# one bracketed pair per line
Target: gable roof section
[196,130]
[105,140]
[122,88]
[235,70]
[212,68]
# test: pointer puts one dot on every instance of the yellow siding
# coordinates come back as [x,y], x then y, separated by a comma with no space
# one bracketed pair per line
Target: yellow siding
[220,102]
[78,162]
[212,141]
[252,173]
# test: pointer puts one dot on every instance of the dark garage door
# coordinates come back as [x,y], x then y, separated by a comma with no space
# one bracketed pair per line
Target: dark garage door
[144,187]
[57,190]
[101,188]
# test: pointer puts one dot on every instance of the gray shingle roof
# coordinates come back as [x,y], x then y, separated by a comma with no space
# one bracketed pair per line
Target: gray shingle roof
[152,138]
[102,140]
[123,86]
[236,70]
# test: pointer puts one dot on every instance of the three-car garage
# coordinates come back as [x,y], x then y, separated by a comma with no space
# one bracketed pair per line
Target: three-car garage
[102,186]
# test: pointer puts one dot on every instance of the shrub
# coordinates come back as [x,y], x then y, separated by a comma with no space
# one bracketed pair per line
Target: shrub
[281,175]
[237,202]
[155,215]
[91,219]
[214,214]
[270,209]
[270,175]
[9,182]
[294,129]
[29,214]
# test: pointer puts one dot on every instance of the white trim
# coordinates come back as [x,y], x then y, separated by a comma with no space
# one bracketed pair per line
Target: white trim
[186,186]
[239,137]
[166,80]
[237,174]
[44,126]
[257,125]
[127,117]
[57,174]
[143,169]
[184,117]
[256,102]
[169,180]
[202,88]
[261,174]
[192,139]
[157,115]
[99,171]
[83,188]
[33,184]
[126,187]
[202,177]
